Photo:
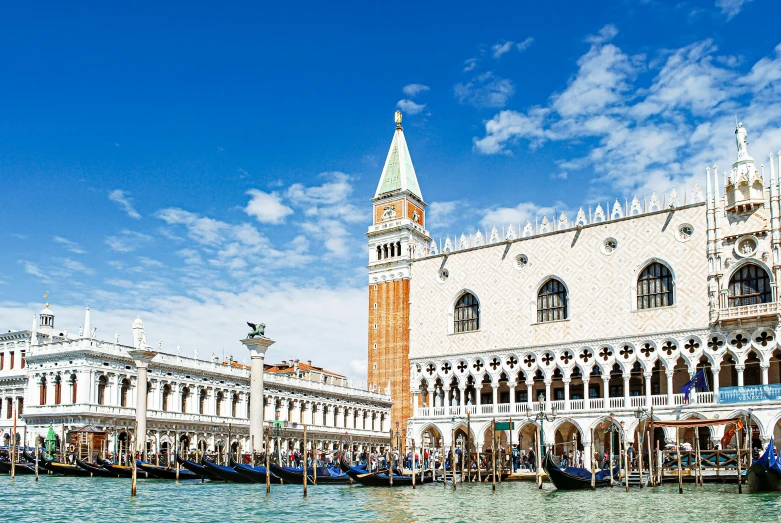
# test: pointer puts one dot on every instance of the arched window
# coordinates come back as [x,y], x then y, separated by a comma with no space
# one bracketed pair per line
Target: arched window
[220,397]
[42,391]
[102,382]
[202,402]
[166,396]
[749,285]
[185,396]
[467,313]
[552,301]
[125,387]
[654,287]
[379,252]
[73,388]
[57,390]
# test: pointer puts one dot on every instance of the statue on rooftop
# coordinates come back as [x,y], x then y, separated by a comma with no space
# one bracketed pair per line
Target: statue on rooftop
[257,330]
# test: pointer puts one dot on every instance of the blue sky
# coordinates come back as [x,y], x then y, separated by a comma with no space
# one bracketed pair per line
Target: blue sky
[205,166]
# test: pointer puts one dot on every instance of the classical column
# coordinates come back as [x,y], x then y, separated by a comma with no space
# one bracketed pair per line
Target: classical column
[430,400]
[566,393]
[669,374]
[257,347]
[606,392]
[586,399]
[740,369]
[765,368]
[626,390]
[512,384]
[495,387]
[588,454]
[547,393]
[530,394]
[446,400]
[648,402]
[715,382]
[462,395]
[141,357]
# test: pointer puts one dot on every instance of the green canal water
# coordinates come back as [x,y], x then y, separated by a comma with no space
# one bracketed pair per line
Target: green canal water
[101,500]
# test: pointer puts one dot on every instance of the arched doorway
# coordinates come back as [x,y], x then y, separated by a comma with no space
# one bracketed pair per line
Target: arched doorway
[568,441]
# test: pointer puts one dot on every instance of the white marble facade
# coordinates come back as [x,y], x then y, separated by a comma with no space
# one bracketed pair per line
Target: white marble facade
[69,381]
[605,357]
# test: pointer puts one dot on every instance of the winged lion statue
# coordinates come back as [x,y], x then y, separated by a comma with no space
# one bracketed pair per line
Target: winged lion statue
[258,329]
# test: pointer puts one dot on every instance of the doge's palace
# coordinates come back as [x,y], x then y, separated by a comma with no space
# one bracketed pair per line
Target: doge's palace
[600,317]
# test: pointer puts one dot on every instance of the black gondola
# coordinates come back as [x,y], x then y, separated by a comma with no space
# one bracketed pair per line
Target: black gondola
[196,468]
[764,475]
[225,473]
[96,470]
[381,479]
[255,474]
[159,472]
[573,478]
[122,471]
[325,476]
[19,468]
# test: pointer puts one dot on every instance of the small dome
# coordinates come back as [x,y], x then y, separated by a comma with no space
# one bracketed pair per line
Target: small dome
[137,323]
[47,312]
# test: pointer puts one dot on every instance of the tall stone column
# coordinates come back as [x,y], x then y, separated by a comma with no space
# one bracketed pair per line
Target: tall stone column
[257,348]
[142,358]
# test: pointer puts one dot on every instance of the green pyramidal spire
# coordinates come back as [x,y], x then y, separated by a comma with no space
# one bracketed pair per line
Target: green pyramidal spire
[398,173]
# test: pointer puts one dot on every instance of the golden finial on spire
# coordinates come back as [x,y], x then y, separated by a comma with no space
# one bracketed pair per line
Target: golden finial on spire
[398,119]
[46,297]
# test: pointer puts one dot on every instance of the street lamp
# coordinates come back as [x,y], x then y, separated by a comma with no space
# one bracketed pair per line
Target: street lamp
[541,417]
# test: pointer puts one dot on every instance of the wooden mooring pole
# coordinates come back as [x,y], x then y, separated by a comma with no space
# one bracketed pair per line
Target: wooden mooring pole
[493,453]
[268,462]
[134,472]
[678,454]
[306,459]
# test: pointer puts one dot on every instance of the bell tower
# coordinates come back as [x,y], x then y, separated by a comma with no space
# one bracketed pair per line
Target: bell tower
[396,233]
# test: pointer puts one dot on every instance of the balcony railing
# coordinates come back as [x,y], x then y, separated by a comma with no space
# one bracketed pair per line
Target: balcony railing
[725,395]
[757,310]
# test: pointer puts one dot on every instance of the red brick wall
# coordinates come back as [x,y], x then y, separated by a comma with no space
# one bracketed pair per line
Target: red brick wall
[391,357]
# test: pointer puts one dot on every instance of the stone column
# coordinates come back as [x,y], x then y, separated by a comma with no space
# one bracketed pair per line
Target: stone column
[588,454]
[626,391]
[257,348]
[715,382]
[446,400]
[765,368]
[739,369]
[548,398]
[530,394]
[605,392]
[669,374]
[141,357]
[512,384]
[566,393]
[495,387]
[586,399]
[648,402]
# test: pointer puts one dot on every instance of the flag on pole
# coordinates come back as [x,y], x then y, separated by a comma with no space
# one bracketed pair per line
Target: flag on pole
[698,380]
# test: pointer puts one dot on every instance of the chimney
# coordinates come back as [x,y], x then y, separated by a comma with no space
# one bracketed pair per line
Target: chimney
[309,362]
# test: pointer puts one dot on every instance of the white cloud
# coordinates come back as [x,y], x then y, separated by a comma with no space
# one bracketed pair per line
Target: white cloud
[267,207]
[507,127]
[119,197]
[499,216]
[500,49]
[522,46]
[335,341]
[128,241]
[731,7]
[485,90]
[605,34]
[412,90]
[469,64]
[69,245]
[410,107]
[440,215]
[33,270]
[639,133]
